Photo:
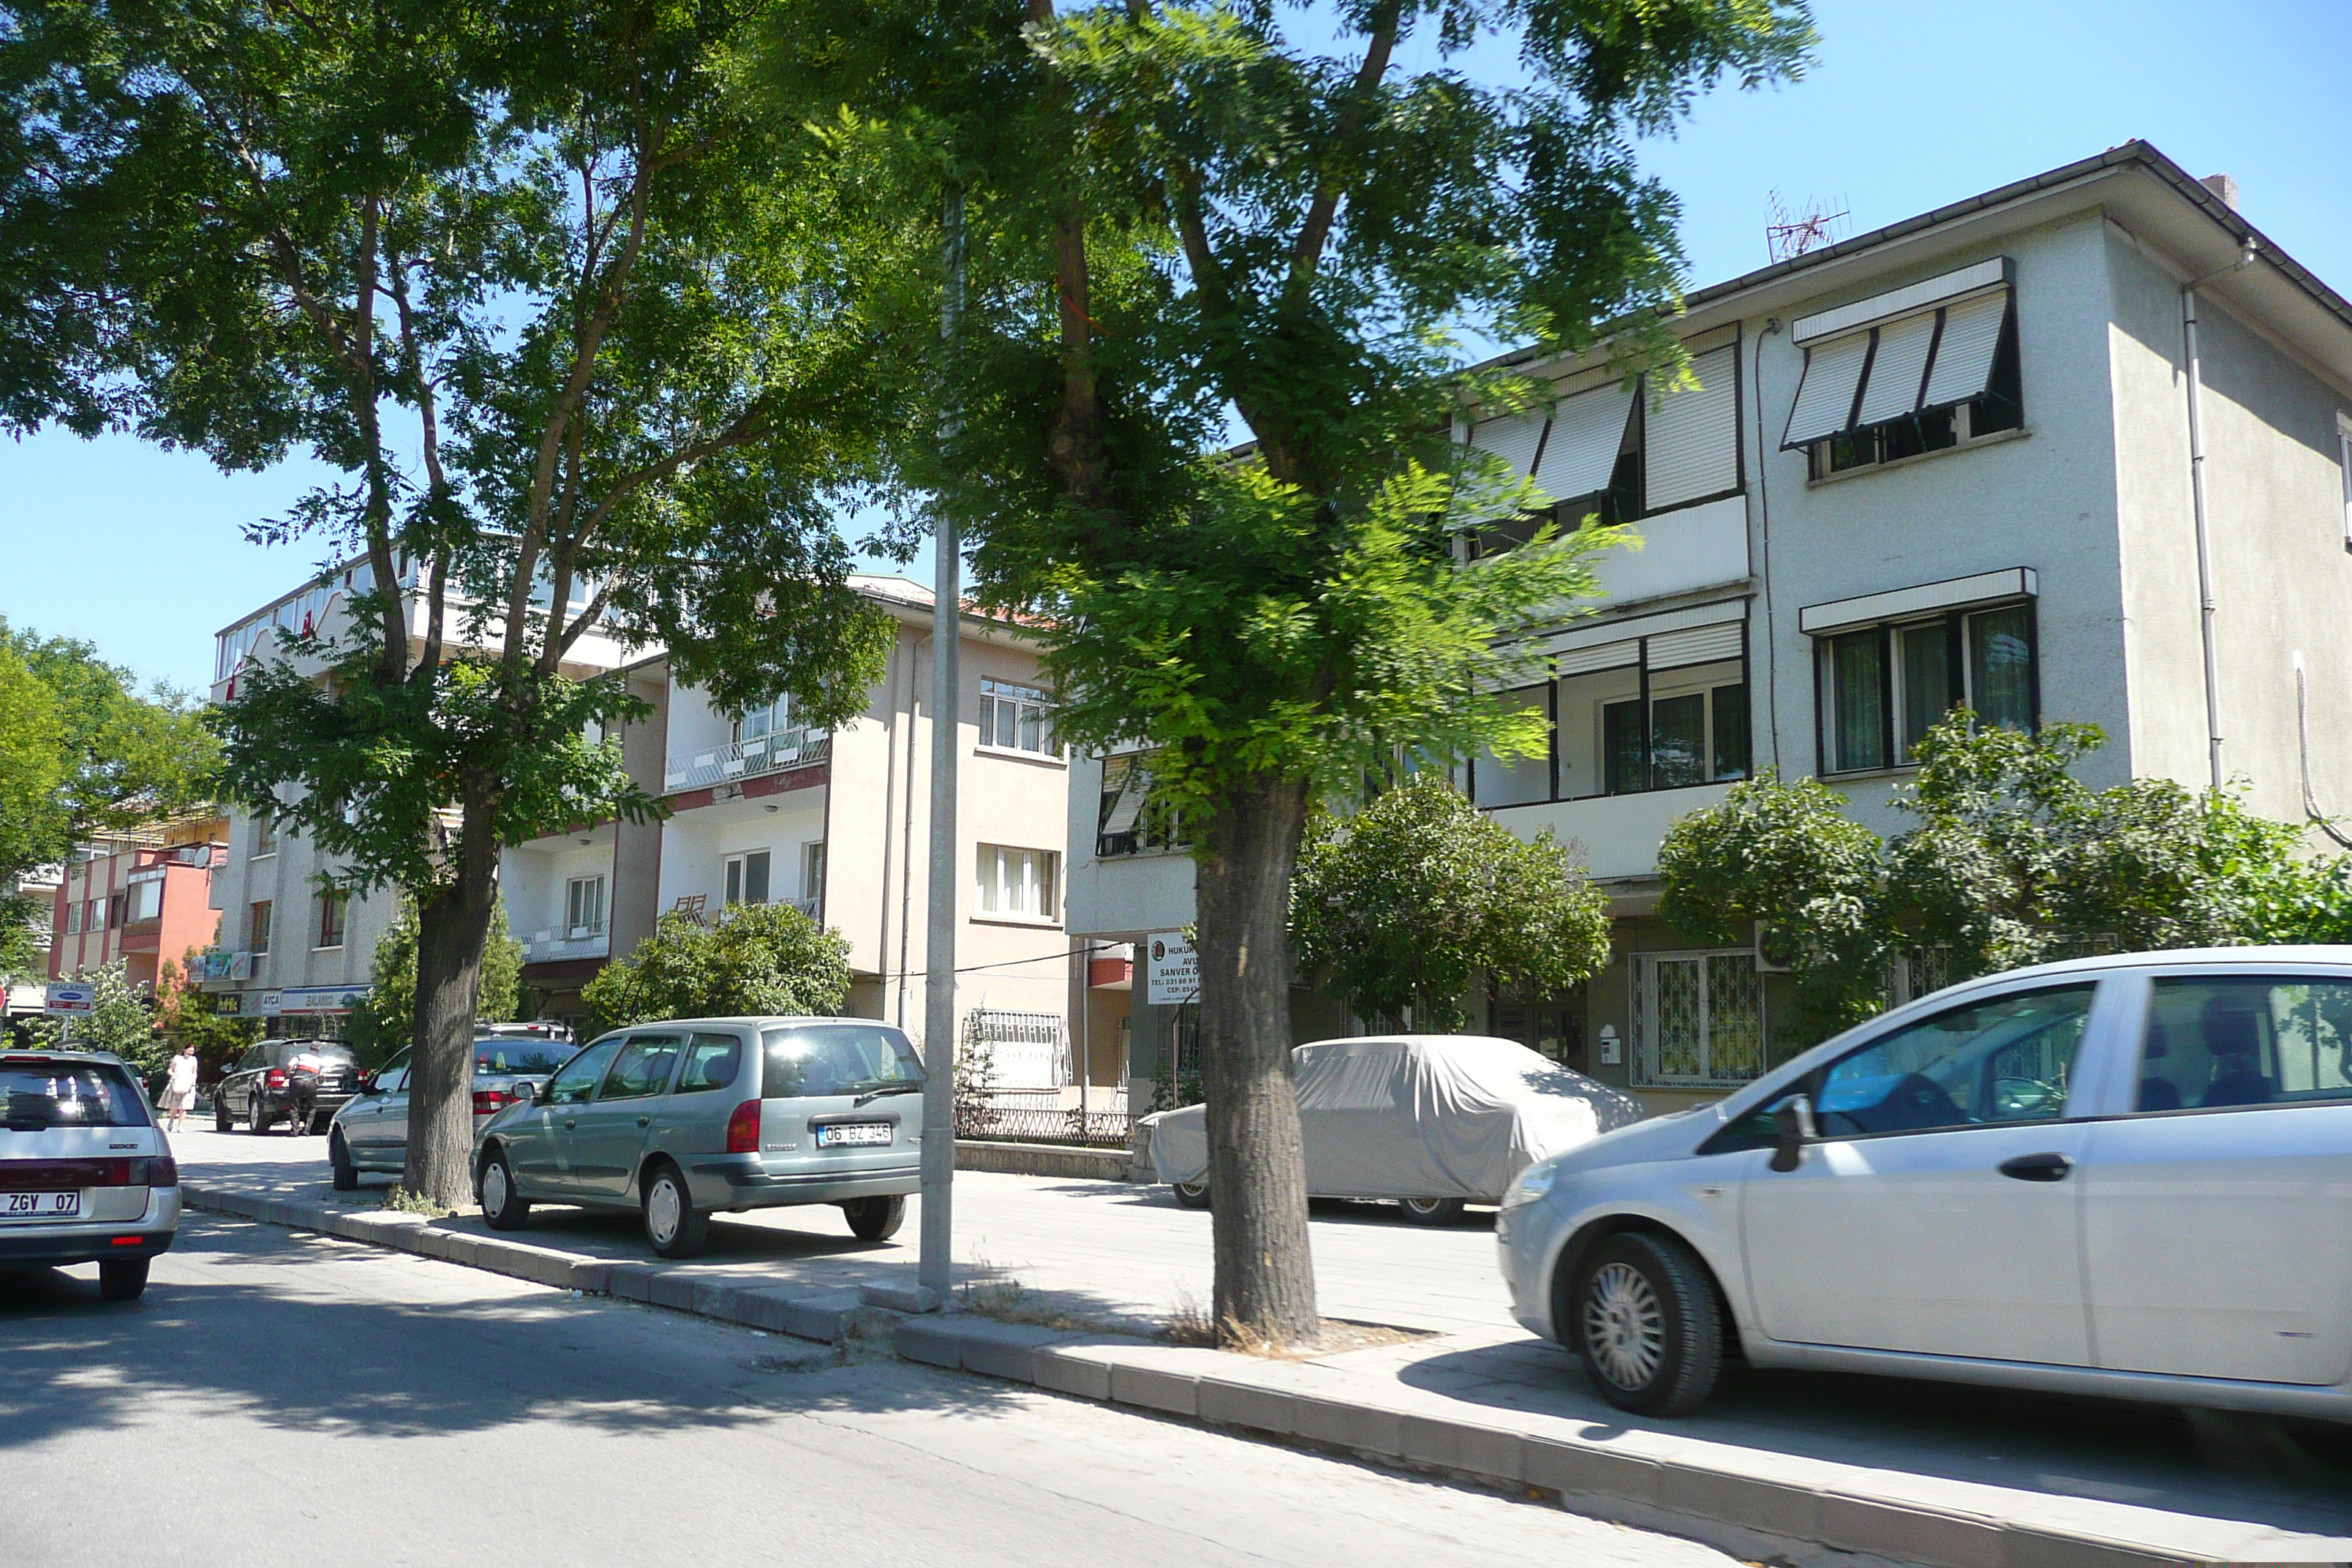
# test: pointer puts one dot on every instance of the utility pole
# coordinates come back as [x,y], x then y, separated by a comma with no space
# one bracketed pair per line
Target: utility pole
[935,1270]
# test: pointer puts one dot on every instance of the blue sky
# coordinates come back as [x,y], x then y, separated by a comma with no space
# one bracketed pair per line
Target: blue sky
[1909,106]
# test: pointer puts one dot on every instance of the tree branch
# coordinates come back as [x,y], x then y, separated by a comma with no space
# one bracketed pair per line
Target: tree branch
[1307,255]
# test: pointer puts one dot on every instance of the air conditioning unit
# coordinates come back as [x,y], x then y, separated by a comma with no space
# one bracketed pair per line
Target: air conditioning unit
[1771,951]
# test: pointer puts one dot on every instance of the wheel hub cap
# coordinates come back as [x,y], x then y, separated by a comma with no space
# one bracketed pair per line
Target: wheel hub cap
[1625,1326]
[661,1212]
[494,1189]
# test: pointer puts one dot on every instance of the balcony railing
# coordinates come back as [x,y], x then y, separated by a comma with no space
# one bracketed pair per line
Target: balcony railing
[745,758]
[566,942]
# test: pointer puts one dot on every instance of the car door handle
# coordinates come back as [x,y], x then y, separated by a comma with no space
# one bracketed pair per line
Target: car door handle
[2038,1167]
[569,1123]
[644,1121]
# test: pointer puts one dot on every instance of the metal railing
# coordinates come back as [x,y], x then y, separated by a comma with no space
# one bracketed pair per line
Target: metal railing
[559,942]
[1046,1116]
[748,758]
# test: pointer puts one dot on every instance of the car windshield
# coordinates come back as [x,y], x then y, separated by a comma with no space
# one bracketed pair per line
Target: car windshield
[40,1094]
[333,1053]
[812,1059]
[521,1056]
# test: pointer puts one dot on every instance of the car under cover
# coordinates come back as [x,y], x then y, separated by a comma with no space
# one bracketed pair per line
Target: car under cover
[1419,1116]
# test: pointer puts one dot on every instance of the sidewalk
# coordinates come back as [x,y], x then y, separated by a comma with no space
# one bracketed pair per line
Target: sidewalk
[1780,1465]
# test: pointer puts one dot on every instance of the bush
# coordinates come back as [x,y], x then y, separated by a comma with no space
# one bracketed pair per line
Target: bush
[758,957]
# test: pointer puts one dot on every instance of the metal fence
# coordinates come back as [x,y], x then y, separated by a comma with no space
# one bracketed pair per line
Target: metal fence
[1013,1117]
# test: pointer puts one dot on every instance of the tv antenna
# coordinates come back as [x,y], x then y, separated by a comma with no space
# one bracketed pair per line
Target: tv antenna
[1791,233]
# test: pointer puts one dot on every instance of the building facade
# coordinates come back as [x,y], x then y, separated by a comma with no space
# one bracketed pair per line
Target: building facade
[1949,461]
[142,899]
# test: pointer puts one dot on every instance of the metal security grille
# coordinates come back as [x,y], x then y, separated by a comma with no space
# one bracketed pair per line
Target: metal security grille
[1698,1020]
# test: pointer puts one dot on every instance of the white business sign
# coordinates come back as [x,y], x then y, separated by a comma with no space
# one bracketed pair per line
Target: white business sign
[69,1001]
[1172,971]
[310,1000]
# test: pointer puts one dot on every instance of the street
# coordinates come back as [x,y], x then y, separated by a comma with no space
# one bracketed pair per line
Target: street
[283,1397]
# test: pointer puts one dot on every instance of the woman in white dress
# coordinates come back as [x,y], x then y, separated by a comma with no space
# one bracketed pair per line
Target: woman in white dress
[180,1087]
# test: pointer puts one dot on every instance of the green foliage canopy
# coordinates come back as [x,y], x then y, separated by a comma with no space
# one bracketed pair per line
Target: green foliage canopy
[757,958]
[384,1022]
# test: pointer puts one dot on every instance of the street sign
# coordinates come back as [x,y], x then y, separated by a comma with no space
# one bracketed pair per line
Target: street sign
[69,1001]
[307,1001]
[1172,971]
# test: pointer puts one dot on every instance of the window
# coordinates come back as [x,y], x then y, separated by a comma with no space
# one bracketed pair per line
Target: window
[257,927]
[1018,883]
[642,1067]
[584,907]
[1698,1020]
[1133,818]
[393,1077]
[264,837]
[1014,718]
[73,917]
[575,1080]
[712,1062]
[118,908]
[93,915]
[758,723]
[834,1059]
[333,905]
[813,872]
[1883,687]
[1667,712]
[146,897]
[2007,1060]
[747,877]
[2231,1041]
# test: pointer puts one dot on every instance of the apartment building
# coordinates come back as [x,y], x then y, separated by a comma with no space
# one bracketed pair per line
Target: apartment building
[1952,461]
[144,898]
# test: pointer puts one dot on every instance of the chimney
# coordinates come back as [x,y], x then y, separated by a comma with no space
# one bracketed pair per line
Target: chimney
[2224,188]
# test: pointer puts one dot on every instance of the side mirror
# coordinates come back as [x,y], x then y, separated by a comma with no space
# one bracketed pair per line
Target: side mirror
[1794,1123]
[538,1094]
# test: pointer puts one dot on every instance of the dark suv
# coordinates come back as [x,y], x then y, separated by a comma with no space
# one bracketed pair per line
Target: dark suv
[262,1088]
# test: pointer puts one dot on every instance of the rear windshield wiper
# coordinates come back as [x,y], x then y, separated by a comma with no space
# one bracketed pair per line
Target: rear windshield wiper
[900,1088]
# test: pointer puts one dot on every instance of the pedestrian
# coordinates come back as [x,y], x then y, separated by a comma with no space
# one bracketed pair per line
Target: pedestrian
[180,1087]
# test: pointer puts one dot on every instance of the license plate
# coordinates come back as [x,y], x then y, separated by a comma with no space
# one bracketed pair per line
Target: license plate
[855,1132]
[40,1205]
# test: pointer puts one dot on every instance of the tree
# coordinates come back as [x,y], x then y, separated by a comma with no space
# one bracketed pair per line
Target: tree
[1409,901]
[576,330]
[127,759]
[120,1020]
[32,768]
[1178,213]
[385,1020]
[757,958]
[187,1016]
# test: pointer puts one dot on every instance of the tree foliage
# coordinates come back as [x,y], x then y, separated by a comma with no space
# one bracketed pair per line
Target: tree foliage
[1407,902]
[384,1022]
[187,1016]
[121,1020]
[756,959]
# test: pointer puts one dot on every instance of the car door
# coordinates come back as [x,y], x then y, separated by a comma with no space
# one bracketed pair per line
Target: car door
[362,1119]
[538,1142]
[1937,1213]
[612,1130]
[2218,1209]
[391,1128]
[237,1088]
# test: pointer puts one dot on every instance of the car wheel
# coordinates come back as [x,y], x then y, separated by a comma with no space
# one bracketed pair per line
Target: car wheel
[1193,1195]
[121,1278]
[1648,1323]
[674,1226]
[875,1219]
[1431,1211]
[256,1114]
[503,1208]
[339,1160]
[221,1122]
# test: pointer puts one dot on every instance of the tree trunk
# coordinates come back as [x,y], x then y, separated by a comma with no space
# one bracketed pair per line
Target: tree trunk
[1257,1173]
[453,928]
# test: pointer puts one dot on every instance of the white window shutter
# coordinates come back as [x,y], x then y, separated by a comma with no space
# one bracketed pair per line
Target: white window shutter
[1690,440]
[1898,368]
[1825,395]
[1587,432]
[1700,645]
[1964,355]
[1607,655]
[1511,439]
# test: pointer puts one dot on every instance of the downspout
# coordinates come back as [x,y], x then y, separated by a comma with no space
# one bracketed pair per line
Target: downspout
[2190,351]
[1764,514]
[2317,818]
[907,832]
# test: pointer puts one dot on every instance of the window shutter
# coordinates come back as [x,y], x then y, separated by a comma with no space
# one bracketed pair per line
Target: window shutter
[1690,441]
[1608,655]
[1700,645]
[1964,357]
[1587,432]
[1825,395]
[1511,439]
[1898,368]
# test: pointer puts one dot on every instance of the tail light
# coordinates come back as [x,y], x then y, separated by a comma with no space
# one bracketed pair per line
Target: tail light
[743,1129]
[162,1172]
[490,1101]
[277,1078]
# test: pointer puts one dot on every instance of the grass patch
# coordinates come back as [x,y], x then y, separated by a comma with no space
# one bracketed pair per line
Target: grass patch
[400,1200]
[1190,1324]
[999,1294]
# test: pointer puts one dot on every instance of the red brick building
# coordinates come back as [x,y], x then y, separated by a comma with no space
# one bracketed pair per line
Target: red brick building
[145,899]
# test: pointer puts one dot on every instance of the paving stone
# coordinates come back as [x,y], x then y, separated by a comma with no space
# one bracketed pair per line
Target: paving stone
[631,1281]
[900,1298]
[1910,1534]
[1366,1429]
[2043,1549]
[1155,1388]
[1070,1369]
[1758,1502]
[1001,1349]
[672,1289]
[927,1339]
[1488,1452]
[825,1316]
[1235,1403]
[1587,1470]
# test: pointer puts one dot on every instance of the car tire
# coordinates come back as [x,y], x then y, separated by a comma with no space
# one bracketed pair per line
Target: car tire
[339,1160]
[1647,1320]
[1431,1211]
[256,1114]
[674,1226]
[503,1208]
[121,1278]
[875,1219]
[1193,1195]
[221,1122]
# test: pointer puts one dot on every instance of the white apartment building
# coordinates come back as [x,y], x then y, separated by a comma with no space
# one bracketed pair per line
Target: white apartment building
[1947,461]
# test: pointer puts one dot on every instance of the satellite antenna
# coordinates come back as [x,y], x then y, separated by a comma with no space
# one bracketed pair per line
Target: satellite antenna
[1792,232]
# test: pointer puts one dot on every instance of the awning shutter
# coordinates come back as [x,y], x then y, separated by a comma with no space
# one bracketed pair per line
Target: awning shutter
[1587,431]
[1690,440]
[1512,440]
[1964,355]
[1826,396]
[1607,655]
[1898,368]
[1700,645]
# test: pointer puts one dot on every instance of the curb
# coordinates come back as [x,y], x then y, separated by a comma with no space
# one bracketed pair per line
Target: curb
[1070,1160]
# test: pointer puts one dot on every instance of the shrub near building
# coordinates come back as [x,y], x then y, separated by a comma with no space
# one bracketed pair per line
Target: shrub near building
[757,959]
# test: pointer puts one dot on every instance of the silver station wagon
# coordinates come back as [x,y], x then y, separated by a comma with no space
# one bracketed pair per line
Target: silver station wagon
[684,1118]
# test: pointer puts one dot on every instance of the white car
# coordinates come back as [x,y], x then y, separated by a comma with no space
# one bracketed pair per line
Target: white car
[2127,1176]
[86,1176]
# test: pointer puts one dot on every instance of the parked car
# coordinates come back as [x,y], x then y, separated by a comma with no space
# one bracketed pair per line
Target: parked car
[1431,1121]
[2128,1176]
[86,1176]
[260,1089]
[691,1116]
[371,1131]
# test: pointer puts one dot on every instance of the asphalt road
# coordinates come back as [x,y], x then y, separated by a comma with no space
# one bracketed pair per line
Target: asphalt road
[285,1399]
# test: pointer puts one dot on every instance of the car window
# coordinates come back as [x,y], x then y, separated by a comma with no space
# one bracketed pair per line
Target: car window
[257,1057]
[519,1056]
[712,1062]
[2007,1058]
[2219,1043]
[394,1078]
[808,1060]
[575,1080]
[642,1067]
[36,1095]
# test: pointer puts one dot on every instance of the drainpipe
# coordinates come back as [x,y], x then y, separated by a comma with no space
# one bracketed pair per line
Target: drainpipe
[2198,503]
[2310,811]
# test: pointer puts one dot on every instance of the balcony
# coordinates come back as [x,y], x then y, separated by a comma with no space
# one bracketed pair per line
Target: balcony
[747,758]
[558,943]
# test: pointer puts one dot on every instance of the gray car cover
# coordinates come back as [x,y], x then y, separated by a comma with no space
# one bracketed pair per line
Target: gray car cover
[1418,1116]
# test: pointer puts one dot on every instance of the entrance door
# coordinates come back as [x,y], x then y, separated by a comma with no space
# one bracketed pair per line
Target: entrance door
[1941,1214]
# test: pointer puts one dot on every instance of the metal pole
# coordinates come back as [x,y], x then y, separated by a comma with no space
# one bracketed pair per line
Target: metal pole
[935,1273]
[2205,606]
[1086,1034]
